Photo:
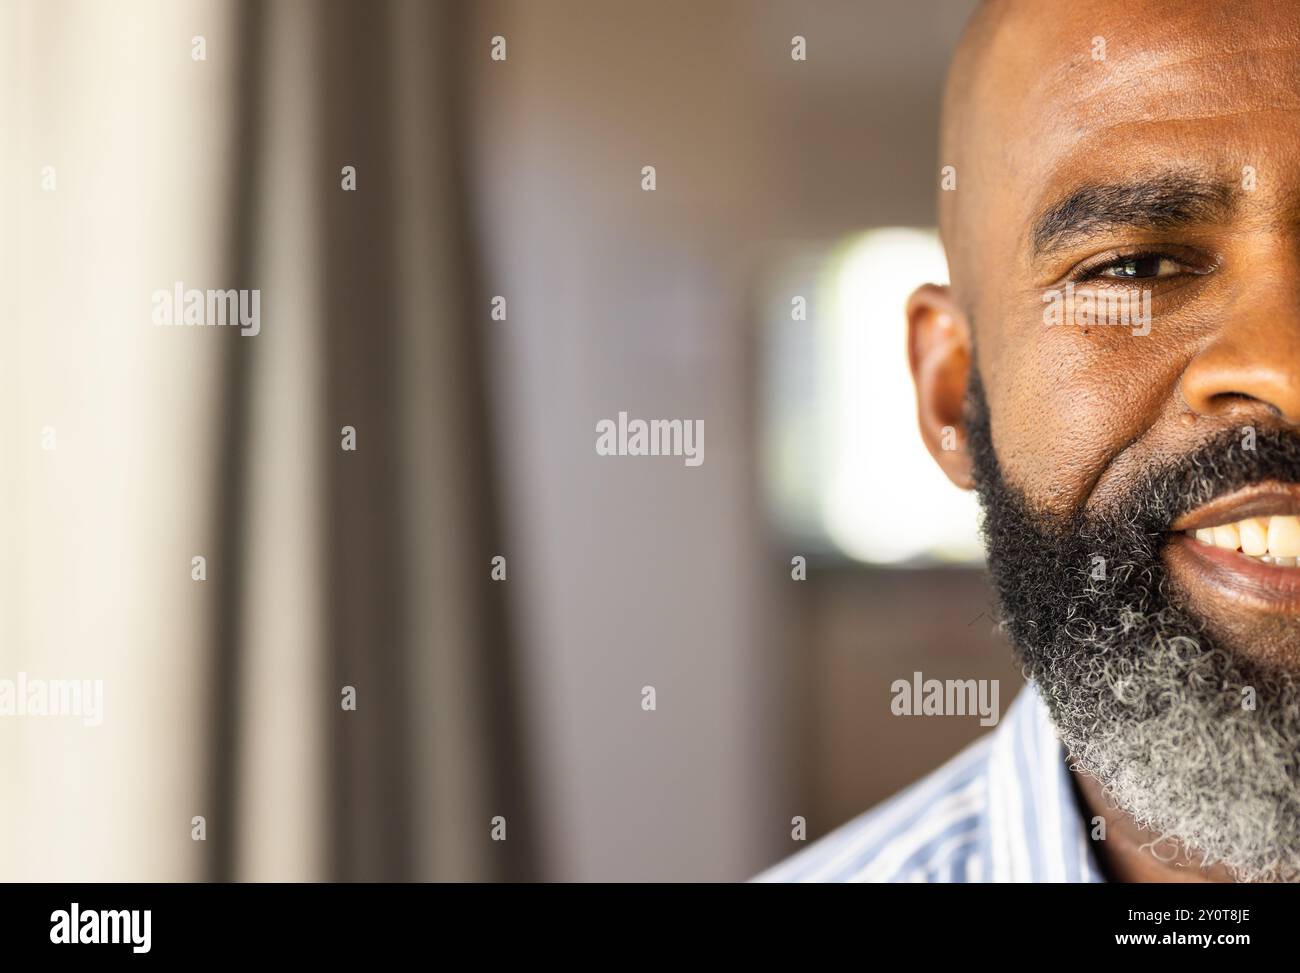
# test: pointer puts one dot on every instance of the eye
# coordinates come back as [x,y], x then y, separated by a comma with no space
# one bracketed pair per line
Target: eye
[1166,267]
[1140,266]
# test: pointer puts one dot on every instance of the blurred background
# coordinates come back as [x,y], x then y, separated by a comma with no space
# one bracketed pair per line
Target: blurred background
[758,287]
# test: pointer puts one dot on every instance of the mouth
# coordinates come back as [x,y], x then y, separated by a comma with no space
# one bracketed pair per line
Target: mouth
[1242,548]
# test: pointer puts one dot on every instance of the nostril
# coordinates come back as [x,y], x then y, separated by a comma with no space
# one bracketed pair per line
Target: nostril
[1213,404]
[1233,398]
[1227,403]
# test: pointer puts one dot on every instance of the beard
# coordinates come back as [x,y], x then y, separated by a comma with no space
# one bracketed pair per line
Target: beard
[1197,745]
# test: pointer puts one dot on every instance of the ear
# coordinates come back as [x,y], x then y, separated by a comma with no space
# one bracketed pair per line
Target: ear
[939,353]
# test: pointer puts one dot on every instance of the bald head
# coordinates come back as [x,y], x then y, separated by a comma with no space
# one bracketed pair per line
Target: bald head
[1035,90]
[960,113]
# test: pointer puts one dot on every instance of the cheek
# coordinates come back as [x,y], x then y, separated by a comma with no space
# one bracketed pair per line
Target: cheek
[1066,404]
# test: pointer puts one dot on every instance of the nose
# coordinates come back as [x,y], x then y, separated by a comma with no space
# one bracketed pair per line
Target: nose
[1253,364]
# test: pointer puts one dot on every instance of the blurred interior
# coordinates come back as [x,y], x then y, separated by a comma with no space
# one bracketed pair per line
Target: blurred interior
[477,698]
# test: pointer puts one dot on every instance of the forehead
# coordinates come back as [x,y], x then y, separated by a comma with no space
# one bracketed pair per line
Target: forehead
[1095,92]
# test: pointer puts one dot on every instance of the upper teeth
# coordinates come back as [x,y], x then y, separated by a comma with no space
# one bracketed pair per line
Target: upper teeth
[1275,537]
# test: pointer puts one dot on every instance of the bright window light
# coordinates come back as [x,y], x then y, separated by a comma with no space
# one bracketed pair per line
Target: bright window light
[846,466]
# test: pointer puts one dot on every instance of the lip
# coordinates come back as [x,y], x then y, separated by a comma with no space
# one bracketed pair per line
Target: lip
[1256,500]
[1214,573]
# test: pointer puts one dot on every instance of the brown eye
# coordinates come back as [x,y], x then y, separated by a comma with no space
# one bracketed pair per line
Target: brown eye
[1144,267]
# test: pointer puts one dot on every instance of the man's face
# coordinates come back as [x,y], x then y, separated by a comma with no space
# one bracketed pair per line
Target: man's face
[1129,150]
[1131,174]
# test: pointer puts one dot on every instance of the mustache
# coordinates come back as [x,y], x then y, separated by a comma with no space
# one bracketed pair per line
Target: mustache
[1228,461]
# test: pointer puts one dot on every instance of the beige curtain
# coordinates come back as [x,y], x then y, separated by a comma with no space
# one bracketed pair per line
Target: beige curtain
[130,449]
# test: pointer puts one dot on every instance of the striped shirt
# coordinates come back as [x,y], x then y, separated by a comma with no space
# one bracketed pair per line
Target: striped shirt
[1002,810]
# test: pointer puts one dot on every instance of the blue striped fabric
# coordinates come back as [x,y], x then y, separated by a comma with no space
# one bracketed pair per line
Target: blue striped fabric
[1002,810]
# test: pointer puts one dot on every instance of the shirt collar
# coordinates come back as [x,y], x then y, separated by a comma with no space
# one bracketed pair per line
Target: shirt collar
[1037,830]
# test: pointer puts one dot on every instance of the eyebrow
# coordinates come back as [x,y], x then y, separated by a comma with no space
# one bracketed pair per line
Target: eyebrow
[1160,202]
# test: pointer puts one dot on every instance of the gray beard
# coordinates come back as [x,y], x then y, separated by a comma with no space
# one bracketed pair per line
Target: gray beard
[1142,698]
[1160,719]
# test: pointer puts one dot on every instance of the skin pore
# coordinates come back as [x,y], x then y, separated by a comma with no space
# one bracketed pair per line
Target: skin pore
[1172,166]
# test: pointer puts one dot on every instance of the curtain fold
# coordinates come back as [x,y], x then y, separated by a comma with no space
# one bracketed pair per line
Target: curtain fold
[324,567]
